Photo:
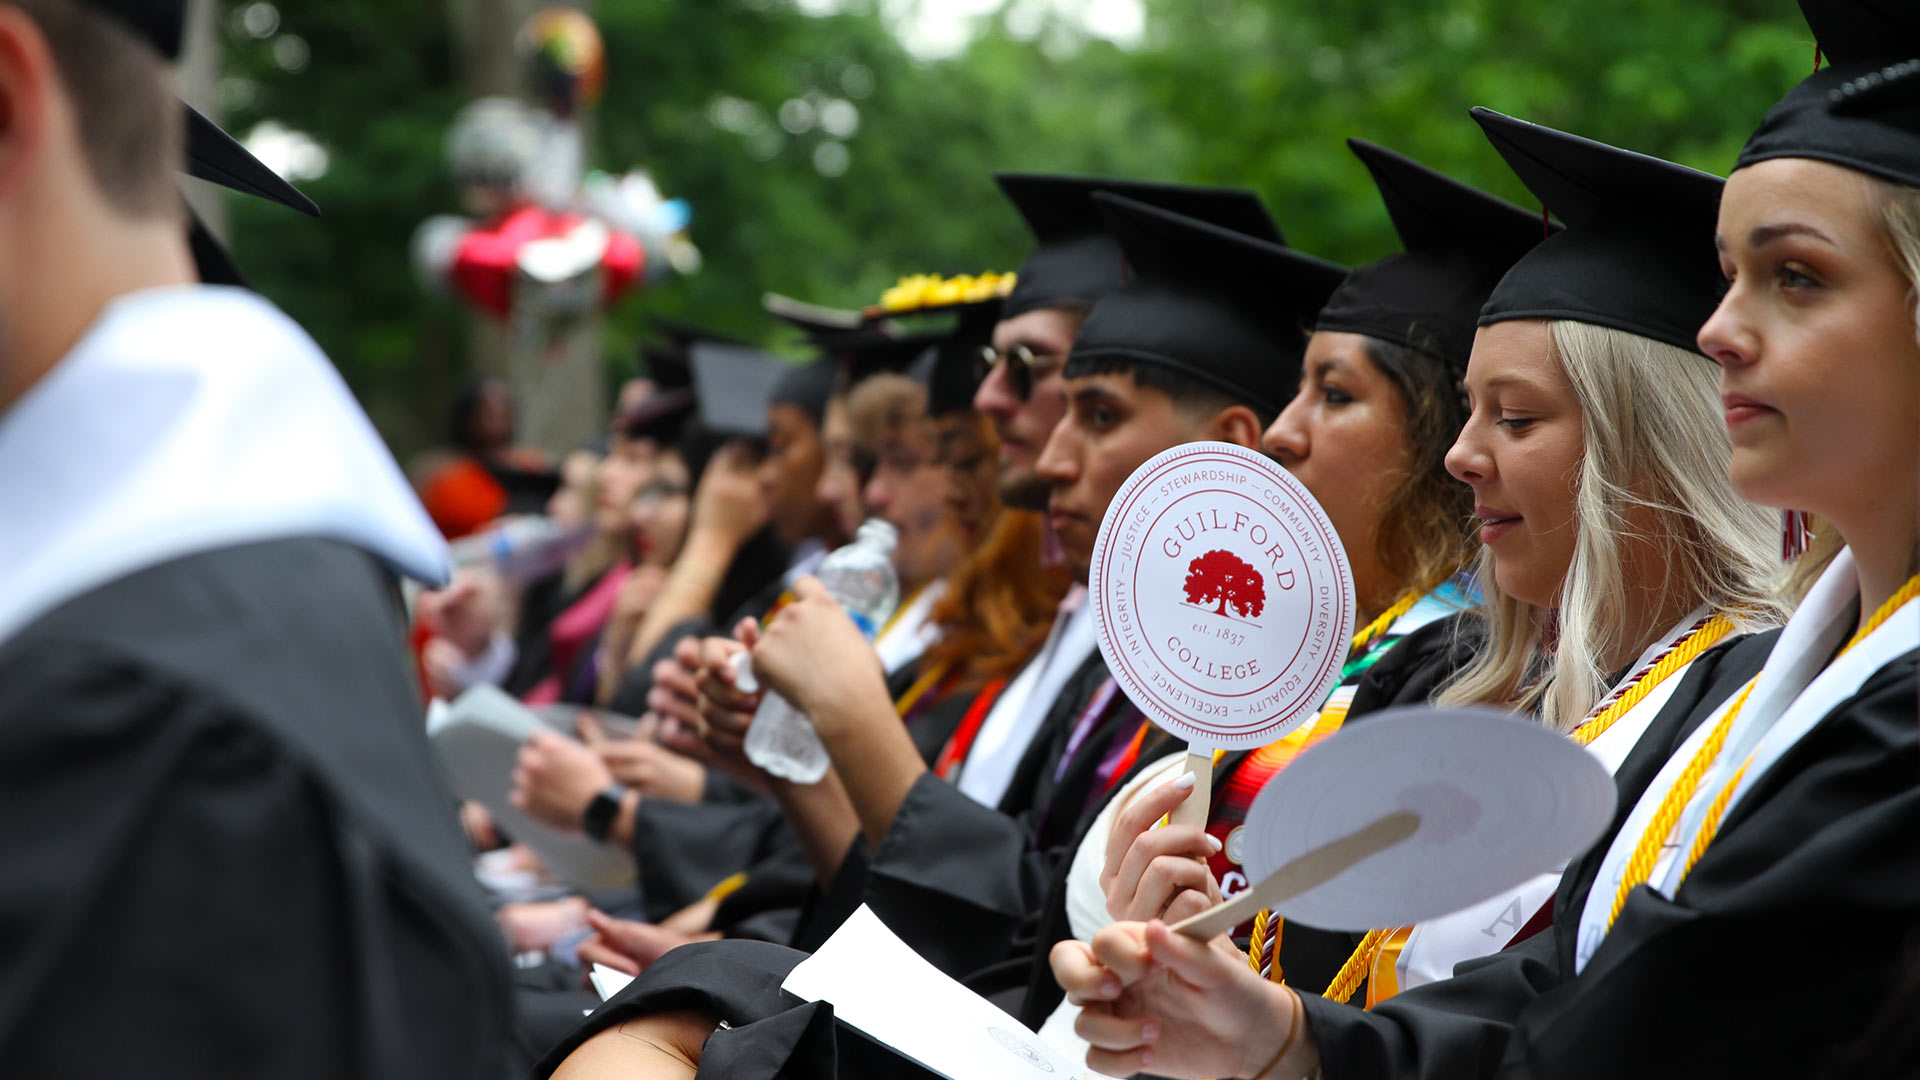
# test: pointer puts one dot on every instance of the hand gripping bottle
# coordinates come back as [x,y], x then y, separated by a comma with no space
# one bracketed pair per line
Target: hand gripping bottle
[860,576]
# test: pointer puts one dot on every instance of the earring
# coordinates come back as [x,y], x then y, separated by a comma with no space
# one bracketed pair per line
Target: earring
[1796,533]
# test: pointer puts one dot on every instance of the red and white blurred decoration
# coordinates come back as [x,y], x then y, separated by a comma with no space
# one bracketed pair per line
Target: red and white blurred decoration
[547,246]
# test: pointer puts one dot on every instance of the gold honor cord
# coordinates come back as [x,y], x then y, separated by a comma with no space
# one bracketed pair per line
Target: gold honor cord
[1704,635]
[1640,865]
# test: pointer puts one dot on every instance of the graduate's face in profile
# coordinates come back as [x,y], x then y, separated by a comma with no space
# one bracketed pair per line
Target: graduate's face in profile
[1344,435]
[1819,369]
[908,489]
[1111,428]
[839,484]
[568,506]
[791,471]
[964,448]
[1023,424]
[1521,451]
[661,510]
[627,468]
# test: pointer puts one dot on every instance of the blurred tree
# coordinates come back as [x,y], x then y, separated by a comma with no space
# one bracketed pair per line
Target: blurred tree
[824,160]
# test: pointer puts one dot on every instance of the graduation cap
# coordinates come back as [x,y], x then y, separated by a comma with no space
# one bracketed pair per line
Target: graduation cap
[664,414]
[159,23]
[1458,242]
[665,357]
[862,353]
[212,154]
[1637,253]
[1216,305]
[1075,260]
[851,349]
[733,385]
[812,319]
[1863,112]
[957,359]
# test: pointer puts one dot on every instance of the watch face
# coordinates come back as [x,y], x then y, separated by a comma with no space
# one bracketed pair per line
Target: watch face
[600,813]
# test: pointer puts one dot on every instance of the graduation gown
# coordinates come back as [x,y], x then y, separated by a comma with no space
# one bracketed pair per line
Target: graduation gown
[738,981]
[227,847]
[1770,956]
[955,879]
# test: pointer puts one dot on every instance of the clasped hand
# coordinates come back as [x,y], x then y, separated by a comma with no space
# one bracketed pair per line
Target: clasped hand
[812,654]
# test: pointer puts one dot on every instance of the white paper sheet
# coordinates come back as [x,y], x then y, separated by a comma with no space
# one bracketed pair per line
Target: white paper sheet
[608,981]
[478,737]
[880,986]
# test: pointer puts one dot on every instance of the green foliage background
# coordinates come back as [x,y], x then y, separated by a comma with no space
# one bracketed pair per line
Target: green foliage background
[1252,92]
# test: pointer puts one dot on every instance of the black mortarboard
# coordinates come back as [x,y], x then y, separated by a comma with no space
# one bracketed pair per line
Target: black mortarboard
[812,319]
[212,154]
[1075,260]
[734,384]
[957,367]
[1637,253]
[1458,243]
[669,366]
[215,156]
[159,23]
[665,357]
[872,350]
[211,259]
[1863,112]
[806,387]
[1215,305]
[851,349]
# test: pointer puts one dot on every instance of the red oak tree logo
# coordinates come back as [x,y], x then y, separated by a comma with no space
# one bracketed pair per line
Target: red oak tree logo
[1224,577]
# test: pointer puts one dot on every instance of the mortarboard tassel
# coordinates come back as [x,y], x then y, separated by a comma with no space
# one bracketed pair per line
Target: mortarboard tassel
[1796,533]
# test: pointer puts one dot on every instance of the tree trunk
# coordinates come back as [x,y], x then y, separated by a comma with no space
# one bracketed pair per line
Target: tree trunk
[559,387]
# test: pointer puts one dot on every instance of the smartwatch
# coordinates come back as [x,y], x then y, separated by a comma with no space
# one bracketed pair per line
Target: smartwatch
[597,821]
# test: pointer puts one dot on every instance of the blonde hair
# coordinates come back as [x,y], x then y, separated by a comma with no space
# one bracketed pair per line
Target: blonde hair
[1653,438]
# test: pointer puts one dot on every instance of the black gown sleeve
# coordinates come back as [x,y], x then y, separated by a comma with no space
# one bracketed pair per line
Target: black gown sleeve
[180,894]
[768,1032]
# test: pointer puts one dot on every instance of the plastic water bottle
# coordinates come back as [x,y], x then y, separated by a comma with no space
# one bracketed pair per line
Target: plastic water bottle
[523,548]
[860,576]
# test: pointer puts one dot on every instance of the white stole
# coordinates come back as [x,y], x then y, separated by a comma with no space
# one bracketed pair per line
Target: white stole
[1792,694]
[184,420]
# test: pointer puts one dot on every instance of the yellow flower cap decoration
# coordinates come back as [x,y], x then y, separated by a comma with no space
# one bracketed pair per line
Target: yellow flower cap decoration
[919,292]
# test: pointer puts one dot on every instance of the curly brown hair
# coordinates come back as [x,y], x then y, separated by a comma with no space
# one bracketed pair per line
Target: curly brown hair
[1422,536]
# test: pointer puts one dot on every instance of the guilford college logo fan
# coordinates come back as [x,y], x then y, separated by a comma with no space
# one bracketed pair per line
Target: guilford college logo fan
[1221,595]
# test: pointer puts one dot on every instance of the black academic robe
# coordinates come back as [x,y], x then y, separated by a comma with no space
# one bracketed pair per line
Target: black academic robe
[1772,954]
[739,981]
[1517,1006]
[956,880]
[227,848]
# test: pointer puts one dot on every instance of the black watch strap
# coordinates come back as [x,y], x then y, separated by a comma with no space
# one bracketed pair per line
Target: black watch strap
[597,821]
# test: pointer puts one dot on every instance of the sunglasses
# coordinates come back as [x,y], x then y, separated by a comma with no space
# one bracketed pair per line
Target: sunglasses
[1024,366]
